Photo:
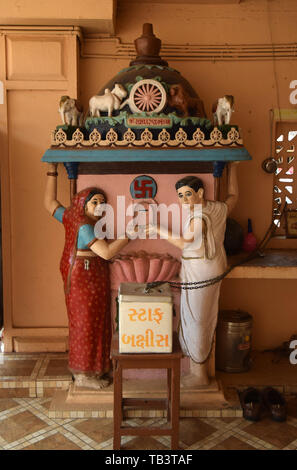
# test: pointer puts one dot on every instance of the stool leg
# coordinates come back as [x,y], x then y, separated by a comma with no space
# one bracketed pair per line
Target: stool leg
[117,405]
[169,398]
[175,398]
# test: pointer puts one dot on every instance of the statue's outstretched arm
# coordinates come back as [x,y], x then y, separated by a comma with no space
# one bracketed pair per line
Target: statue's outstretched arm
[232,195]
[50,196]
[177,240]
[108,250]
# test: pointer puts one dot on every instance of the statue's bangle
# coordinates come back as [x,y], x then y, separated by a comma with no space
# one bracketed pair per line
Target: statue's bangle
[52,173]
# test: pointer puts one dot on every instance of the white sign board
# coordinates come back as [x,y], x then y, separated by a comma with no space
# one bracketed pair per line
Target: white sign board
[145,327]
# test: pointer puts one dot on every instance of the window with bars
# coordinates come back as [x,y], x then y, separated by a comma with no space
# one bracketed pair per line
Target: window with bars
[285,181]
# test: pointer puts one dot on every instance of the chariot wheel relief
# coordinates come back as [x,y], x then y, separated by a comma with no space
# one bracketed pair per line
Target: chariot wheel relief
[147,96]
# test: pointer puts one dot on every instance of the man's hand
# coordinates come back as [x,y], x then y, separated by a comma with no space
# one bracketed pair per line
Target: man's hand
[151,230]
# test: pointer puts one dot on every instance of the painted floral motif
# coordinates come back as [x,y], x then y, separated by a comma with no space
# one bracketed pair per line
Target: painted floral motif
[129,136]
[146,136]
[60,136]
[233,135]
[216,135]
[181,135]
[78,136]
[112,136]
[198,136]
[164,136]
[95,136]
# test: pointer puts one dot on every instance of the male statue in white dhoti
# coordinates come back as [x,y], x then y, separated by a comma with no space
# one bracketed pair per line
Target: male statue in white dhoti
[203,258]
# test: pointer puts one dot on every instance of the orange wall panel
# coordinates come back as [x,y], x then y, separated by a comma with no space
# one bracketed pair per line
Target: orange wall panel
[37,240]
[45,58]
[36,70]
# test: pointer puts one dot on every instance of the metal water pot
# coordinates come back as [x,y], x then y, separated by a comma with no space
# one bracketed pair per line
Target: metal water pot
[233,341]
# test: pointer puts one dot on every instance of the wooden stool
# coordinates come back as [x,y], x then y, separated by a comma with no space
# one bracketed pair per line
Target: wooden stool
[169,361]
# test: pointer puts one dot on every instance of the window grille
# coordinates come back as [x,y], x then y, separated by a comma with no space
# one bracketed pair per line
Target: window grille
[284,185]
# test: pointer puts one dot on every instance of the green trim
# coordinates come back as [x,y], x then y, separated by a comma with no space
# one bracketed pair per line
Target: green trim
[113,120]
[148,67]
[196,121]
[159,79]
[122,118]
[68,127]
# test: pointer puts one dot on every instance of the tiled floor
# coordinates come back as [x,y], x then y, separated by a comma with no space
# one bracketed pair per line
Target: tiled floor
[24,424]
[33,375]
[28,383]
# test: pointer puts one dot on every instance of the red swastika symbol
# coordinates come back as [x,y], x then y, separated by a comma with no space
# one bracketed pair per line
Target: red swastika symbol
[143,189]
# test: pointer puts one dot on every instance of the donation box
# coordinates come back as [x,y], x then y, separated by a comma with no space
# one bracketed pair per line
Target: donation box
[145,318]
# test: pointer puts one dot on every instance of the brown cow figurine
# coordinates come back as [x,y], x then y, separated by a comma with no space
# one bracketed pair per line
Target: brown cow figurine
[180,99]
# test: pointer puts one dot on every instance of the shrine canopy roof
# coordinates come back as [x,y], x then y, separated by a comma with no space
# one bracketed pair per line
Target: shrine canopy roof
[146,155]
[147,113]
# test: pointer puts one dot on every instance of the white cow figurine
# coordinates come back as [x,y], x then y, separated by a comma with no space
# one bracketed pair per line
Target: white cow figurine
[71,112]
[108,102]
[222,110]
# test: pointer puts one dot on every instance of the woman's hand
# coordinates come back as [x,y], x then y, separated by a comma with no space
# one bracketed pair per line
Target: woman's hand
[132,231]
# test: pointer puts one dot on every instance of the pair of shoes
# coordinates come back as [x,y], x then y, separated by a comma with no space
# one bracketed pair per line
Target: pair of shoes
[275,403]
[253,403]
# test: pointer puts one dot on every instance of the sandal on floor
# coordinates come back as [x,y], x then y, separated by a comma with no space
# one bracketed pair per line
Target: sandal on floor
[252,403]
[275,403]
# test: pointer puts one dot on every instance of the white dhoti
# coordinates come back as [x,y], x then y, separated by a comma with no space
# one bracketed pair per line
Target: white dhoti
[199,307]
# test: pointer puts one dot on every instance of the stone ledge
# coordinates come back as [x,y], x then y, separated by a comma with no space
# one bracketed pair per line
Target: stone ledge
[59,408]
[208,401]
[39,344]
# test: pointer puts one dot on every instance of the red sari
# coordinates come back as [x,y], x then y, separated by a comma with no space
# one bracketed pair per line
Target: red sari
[87,293]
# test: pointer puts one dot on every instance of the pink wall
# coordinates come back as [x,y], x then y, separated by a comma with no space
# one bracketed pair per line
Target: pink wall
[118,185]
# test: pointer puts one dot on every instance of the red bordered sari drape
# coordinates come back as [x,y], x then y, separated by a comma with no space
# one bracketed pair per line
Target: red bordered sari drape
[87,294]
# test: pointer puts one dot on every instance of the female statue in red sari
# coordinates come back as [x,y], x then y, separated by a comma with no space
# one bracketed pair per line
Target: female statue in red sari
[85,274]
